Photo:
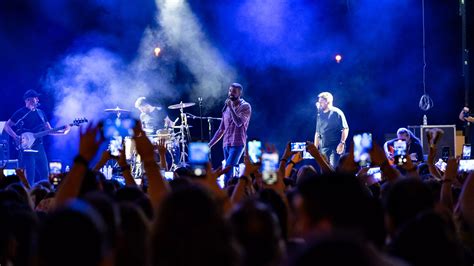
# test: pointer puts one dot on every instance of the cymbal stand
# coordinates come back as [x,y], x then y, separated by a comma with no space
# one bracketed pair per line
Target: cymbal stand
[183,127]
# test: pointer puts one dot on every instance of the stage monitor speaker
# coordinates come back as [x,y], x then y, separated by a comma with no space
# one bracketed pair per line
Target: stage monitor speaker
[448,139]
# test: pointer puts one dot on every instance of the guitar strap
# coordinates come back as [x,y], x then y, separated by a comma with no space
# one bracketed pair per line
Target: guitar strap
[41,115]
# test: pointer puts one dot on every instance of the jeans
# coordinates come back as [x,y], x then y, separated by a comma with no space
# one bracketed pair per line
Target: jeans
[232,156]
[35,164]
[331,154]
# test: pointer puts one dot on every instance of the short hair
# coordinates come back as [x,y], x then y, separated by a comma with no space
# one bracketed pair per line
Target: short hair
[403,130]
[141,101]
[237,86]
[327,96]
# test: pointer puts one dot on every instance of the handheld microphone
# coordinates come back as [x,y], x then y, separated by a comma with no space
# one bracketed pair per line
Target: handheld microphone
[225,104]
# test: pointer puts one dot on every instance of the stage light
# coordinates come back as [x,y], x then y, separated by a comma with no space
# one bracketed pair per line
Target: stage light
[157,51]
[338,58]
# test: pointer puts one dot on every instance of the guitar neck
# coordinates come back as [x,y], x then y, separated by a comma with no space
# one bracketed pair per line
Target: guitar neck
[46,132]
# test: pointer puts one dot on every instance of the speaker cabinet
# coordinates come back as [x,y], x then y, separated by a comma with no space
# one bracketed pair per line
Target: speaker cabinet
[448,139]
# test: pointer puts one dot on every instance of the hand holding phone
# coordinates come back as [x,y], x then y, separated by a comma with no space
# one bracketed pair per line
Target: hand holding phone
[466,151]
[198,157]
[362,147]
[269,168]
[254,149]
[400,152]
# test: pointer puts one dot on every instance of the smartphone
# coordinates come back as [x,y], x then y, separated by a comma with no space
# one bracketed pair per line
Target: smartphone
[362,147]
[376,173]
[198,157]
[298,146]
[168,175]
[254,148]
[115,145]
[7,172]
[445,152]
[466,166]
[118,127]
[400,152]
[55,167]
[269,168]
[466,151]
[441,165]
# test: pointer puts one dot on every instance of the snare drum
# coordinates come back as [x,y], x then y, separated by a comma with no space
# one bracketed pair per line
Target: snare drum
[165,134]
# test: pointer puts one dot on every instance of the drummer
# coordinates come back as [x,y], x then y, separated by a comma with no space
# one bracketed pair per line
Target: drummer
[152,117]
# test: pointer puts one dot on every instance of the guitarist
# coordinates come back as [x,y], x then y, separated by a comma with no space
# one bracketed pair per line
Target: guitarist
[414,149]
[31,119]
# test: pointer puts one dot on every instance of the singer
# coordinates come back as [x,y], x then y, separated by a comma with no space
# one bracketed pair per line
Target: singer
[331,128]
[233,128]
[31,119]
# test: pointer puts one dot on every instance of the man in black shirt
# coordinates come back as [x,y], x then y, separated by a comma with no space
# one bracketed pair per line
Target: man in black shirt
[31,119]
[414,148]
[331,129]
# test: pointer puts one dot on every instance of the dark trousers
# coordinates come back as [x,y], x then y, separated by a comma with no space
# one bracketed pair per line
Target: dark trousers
[232,156]
[35,164]
[331,154]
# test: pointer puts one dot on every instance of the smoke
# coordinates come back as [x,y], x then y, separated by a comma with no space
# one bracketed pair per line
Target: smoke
[183,32]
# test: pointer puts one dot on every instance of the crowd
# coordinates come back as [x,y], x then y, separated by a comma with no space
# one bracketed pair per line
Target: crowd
[324,215]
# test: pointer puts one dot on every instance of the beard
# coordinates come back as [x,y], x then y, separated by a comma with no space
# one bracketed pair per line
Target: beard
[233,98]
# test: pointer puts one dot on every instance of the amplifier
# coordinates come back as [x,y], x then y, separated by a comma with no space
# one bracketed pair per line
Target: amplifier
[448,139]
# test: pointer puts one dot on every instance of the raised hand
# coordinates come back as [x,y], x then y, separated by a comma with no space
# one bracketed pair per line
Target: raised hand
[297,157]
[250,168]
[90,141]
[161,146]
[144,147]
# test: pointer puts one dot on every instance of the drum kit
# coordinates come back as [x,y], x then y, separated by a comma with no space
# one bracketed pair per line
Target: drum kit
[175,138]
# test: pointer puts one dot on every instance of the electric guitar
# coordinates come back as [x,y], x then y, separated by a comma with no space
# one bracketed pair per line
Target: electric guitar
[27,139]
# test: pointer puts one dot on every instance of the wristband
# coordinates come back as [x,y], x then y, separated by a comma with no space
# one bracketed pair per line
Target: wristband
[81,160]
[283,160]
[343,143]
[291,162]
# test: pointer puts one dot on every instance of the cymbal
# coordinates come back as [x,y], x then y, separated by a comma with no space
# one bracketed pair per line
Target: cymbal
[180,105]
[116,110]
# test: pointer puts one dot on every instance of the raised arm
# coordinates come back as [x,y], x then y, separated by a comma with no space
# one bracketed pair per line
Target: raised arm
[88,147]
[241,116]
[157,187]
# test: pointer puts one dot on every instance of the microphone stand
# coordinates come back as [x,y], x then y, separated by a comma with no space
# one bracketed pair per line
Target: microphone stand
[200,115]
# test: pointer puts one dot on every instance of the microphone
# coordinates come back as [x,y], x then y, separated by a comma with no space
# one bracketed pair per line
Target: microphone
[225,104]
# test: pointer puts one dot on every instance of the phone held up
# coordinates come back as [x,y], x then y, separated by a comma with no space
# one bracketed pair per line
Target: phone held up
[269,168]
[198,157]
[254,149]
[362,147]
[400,152]
[115,130]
